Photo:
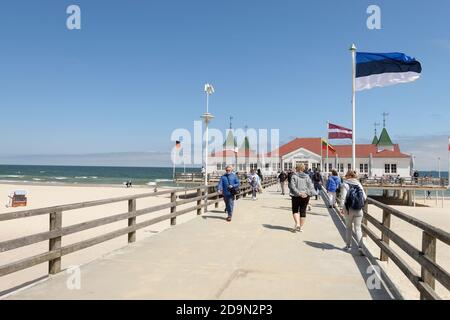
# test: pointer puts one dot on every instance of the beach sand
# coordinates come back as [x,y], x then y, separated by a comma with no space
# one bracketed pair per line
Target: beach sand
[40,196]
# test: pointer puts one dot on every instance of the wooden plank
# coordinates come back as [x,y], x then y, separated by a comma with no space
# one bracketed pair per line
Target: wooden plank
[27,240]
[32,239]
[81,205]
[54,265]
[28,262]
[199,201]
[431,230]
[132,220]
[429,251]
[384,237]
[402,265]
[437,271]
[114,234]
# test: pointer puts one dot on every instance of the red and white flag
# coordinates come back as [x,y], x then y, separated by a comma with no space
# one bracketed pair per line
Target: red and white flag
[448,143]
[338,132]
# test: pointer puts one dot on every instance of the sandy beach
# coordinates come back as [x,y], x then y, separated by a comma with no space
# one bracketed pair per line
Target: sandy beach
[40,196]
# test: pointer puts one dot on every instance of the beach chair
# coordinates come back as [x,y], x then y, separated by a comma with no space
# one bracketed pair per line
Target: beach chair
[18,199]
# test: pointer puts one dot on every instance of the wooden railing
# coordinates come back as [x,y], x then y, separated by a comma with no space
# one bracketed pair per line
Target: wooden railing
[426,257]
[56,231]
[405,182]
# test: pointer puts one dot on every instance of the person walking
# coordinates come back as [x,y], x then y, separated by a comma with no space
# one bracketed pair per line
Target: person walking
[352,203]
[253,181]
[318,182]
[228,186]
[333,184]
[282,177]
[301,189]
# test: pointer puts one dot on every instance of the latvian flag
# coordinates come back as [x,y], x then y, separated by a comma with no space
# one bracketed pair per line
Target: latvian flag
[384,69]
[338,132]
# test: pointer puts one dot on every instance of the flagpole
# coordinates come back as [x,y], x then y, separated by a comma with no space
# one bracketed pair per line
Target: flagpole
[353,50]
[321,156]
[328,161]
[448,174]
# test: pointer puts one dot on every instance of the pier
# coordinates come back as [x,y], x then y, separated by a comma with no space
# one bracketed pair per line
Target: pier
[256,256]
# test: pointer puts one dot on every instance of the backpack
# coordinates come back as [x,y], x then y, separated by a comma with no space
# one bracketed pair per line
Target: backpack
[316,177]
[355,198]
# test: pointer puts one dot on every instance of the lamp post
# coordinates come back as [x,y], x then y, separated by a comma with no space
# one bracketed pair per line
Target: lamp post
[207,117]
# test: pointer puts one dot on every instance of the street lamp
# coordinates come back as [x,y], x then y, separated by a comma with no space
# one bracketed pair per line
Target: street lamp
[207,117]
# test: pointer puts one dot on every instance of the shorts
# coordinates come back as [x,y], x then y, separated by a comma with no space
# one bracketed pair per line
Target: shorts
[299,205]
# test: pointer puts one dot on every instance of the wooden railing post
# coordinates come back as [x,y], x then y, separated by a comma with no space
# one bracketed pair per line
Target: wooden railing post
[199,202]
[131,221]
[217,198]
[428,250]
[54,265]
[173,198]
[384,237]
[364,220]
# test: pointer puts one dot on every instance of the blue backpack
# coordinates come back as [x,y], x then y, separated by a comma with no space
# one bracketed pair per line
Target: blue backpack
[355,198]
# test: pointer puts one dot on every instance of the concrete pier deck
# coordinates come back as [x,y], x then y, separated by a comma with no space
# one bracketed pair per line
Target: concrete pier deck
[256,256]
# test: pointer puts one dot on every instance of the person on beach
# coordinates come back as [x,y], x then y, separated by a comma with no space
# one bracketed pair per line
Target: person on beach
[228,186]
[317,180]
[301,189]
[282,177]
[254,182]
[333,183]
[352,203]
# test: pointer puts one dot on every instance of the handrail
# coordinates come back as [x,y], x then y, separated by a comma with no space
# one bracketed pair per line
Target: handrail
[426,257]
[57,231]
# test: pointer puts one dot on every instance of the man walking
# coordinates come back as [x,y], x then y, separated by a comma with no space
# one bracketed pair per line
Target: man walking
[282,177]
[317,180]
[228,187]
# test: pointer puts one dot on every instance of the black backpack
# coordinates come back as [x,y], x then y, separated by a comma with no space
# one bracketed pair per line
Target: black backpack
[355,198]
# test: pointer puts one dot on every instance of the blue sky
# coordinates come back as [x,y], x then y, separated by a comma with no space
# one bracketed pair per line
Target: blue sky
[136,69]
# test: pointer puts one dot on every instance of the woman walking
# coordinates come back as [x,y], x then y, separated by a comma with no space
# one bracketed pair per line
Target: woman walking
[301,189]
[352,203]
[333,185]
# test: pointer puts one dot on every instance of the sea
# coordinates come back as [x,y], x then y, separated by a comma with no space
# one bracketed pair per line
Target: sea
[141,176]
[90,175]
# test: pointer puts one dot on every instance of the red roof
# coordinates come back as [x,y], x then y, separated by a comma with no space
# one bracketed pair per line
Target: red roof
[364,151]
[343,151]
[311,144]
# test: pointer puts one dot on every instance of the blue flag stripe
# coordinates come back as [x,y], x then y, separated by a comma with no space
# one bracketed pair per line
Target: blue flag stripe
[386,66]
[365,57]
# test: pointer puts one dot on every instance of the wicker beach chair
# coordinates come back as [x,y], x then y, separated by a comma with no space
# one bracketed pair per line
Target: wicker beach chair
[18,199]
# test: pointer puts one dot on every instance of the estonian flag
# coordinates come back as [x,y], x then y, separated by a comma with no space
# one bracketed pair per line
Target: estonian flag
[384,69]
